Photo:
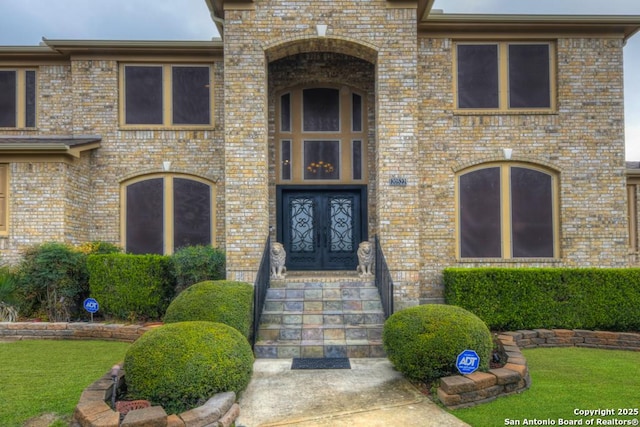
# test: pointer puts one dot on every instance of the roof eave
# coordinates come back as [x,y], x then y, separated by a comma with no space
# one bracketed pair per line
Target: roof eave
[625,25]
[147,47]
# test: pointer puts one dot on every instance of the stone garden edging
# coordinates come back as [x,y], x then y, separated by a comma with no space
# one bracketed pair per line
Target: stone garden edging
[461,391]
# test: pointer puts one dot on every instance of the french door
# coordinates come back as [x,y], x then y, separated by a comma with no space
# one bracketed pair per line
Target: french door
[321,228]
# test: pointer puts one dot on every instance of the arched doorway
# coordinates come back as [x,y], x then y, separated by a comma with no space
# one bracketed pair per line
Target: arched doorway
[321,107]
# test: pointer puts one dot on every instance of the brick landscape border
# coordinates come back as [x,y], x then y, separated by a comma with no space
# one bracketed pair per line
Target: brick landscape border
[462,391]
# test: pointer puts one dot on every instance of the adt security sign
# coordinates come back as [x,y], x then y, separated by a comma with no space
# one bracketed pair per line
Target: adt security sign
[467,362]
[91,305]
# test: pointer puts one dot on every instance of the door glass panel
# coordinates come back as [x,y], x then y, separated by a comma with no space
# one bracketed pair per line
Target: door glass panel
[322,159]
[480,234]
[145,217]
[191,213]
[302,225]
[341,224]
[531,213]
[321,110]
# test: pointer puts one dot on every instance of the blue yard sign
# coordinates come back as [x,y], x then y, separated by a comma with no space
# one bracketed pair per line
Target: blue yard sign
[467,362]
[91,305]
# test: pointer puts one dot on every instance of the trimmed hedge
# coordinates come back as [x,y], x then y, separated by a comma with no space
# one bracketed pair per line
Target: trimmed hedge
[423,342]
[131,287]
[193,264]
[221,301]
[532,298]
[181,365]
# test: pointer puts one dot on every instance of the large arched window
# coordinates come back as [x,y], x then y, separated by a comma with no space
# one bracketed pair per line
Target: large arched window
[164,212]
[507,210]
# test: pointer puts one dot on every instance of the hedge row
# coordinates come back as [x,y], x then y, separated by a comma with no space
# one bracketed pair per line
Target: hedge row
[530,298]
[131,286]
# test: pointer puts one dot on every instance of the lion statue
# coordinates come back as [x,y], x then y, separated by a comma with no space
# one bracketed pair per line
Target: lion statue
[365,259]
[278,258]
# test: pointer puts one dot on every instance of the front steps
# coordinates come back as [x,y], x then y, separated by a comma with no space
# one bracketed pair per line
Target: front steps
[321,315]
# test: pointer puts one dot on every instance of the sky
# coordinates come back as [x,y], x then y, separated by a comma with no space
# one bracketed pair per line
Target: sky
[26,22]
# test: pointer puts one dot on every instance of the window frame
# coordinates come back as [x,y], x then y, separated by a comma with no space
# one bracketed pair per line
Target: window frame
[168,206]
[505,208]
[296,136]
[21,100]
[503,78]
[167,96]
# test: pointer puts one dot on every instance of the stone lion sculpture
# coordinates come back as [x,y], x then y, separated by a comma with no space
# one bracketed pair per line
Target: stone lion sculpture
[365,259]
[278,258]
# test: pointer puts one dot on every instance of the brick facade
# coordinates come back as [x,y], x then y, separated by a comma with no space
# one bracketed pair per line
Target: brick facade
[414,132]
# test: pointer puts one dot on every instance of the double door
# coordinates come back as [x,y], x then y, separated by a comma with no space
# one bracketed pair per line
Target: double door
[321,229]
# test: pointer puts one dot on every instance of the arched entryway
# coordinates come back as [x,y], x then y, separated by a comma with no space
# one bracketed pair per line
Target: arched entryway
[321,139]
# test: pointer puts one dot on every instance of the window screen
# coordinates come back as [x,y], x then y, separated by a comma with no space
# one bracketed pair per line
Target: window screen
[8,99]
[191,213]
[529,80]
[321,110]
[191,93]
[143,95]
[145,217]
[322,159]
[285,112]
[356,112]
[531,213]
[480,229]
[478,76]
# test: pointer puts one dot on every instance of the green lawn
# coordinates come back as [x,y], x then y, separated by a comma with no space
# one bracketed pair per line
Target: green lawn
[42,377]
[563,380]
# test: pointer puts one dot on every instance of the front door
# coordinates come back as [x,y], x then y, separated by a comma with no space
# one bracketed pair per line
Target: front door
[321,229]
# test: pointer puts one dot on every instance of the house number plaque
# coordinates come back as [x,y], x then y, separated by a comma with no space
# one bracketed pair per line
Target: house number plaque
[398,181]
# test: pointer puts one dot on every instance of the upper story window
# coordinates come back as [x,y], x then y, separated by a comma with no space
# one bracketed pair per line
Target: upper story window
[166,95]
[505,76]
[507,210]
[17,98]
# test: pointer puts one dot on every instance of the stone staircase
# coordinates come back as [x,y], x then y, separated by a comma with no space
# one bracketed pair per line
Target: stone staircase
[321,314]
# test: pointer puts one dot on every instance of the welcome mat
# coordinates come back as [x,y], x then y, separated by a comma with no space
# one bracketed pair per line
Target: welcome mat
[321,363]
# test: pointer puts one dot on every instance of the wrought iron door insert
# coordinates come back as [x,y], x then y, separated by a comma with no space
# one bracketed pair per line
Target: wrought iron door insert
[321,229]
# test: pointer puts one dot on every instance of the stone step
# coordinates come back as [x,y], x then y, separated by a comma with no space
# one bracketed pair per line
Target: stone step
[314,315]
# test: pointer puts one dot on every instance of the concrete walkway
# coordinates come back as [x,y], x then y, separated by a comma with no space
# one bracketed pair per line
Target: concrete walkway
[371,393]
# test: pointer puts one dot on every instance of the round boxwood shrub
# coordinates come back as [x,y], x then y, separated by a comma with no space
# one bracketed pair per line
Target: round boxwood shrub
[221,301]
[181,365]
[423,342]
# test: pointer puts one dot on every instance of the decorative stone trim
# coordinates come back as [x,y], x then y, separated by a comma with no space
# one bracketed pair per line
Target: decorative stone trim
[92,410]
[458,391]
[16,331]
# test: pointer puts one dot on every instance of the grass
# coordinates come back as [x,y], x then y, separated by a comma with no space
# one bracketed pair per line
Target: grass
[563,380]
[43,377]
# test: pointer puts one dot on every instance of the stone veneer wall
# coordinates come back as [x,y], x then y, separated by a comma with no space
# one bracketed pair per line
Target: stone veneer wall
[379,31]
[583,142]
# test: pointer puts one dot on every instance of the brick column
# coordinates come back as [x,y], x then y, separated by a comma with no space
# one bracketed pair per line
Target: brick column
[397,150]
[246,158]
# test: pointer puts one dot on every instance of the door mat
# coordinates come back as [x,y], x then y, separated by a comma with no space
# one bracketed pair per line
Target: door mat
[321,363]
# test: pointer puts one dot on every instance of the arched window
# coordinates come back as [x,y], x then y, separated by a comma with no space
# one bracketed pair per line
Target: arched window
[164,212]
[507,210]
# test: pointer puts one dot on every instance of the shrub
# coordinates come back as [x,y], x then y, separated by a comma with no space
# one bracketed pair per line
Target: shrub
[99,248]
[181,365]
[220,301]
[53,278]
[132,287]
[531,298]
[193,264]
[8,300]
[423,342]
